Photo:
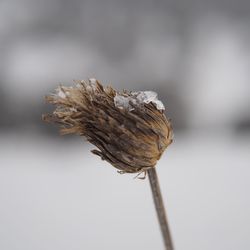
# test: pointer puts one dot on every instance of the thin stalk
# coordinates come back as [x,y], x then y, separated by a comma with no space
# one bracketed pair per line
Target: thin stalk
[159,206]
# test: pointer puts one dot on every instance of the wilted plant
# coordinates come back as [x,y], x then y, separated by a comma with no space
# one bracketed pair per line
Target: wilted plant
[129,129]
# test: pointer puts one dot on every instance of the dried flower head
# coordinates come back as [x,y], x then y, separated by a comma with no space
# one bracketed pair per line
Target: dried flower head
[129,128]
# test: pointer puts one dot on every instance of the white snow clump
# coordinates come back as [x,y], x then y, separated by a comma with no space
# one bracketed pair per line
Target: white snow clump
[137,99]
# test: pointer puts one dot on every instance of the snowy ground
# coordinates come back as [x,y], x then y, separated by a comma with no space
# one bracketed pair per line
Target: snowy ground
[56,195]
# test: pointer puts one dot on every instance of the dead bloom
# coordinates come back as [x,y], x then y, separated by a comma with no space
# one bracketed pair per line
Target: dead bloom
[129,128]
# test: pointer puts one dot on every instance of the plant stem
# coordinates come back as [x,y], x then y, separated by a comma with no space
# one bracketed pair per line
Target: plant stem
[159,206]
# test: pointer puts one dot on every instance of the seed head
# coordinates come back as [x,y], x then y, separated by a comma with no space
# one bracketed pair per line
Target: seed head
[129,128]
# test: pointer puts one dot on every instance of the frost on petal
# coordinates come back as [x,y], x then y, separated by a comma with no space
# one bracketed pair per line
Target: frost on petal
[61,93]
[91,85]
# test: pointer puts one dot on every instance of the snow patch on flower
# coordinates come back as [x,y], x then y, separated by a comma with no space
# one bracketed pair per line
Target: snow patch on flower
[137,99]
[124,102]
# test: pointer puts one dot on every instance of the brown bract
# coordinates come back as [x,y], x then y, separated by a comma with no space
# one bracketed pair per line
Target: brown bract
[132,140]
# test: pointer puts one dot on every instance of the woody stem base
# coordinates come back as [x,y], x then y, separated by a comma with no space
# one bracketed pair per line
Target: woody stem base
[159,206]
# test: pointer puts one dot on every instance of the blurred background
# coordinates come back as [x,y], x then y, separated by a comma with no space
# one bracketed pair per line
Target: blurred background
[54,194]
